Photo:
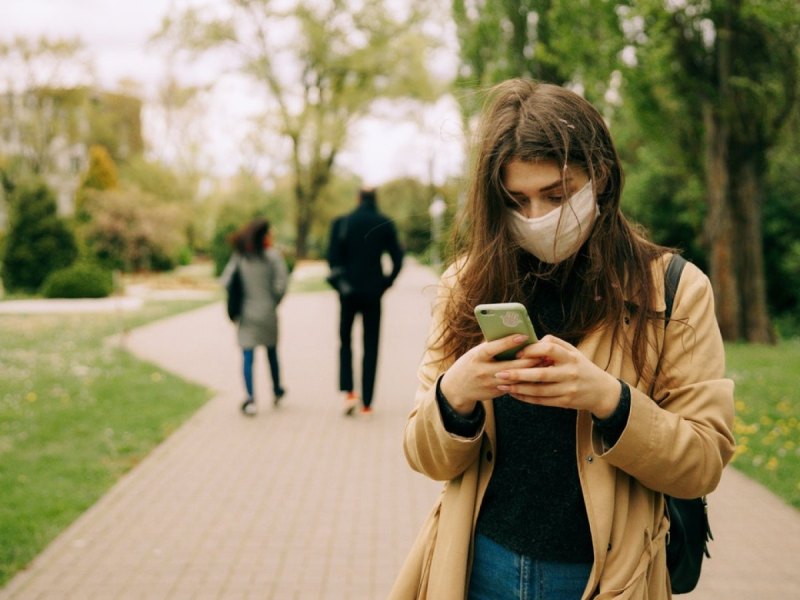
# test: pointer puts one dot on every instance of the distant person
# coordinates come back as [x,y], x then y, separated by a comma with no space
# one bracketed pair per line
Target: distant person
[358,241]
[265,278]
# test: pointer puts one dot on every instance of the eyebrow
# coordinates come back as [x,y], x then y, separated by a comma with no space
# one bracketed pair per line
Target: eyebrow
[557,184]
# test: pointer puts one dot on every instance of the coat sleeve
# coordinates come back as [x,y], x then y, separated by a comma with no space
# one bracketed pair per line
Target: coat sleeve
[429,448]
[225,276]
[679,441]
[395,252]
[334,254]
[279,281]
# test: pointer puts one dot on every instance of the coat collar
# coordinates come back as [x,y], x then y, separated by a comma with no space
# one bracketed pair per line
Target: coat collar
[658,268]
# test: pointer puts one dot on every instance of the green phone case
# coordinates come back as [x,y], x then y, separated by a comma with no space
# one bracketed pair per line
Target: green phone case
[503,319]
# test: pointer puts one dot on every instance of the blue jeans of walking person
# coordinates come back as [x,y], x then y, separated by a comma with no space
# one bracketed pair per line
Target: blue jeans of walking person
[501,574]
[247,367]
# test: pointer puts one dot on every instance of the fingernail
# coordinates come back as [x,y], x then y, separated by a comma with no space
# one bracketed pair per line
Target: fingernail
[504,388]
[502,375]
[520,338]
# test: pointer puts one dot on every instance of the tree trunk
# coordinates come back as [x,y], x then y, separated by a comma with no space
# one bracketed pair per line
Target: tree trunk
[302,221]
[754,316]
[719,226]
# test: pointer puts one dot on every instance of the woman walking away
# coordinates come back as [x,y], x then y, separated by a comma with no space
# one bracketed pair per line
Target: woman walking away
[264,278]
[557,460]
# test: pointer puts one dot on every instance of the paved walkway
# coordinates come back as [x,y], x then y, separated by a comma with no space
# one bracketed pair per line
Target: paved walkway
[301,503]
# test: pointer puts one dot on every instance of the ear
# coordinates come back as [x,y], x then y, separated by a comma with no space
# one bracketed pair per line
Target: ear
[601,183]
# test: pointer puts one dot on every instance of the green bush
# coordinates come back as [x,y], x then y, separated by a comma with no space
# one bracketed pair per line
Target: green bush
[134,231]
[81,280]
[38,240]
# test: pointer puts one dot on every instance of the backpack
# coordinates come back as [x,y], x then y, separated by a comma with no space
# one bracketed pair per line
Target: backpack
[337,278]
[689,531]
[235,291]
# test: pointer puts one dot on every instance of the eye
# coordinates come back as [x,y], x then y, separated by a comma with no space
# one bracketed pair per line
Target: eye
[516,202]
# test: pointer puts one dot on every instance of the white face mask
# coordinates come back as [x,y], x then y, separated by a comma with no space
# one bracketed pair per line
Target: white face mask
[546,239]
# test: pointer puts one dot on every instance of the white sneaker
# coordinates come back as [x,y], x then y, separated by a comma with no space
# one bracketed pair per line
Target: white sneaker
[249,407]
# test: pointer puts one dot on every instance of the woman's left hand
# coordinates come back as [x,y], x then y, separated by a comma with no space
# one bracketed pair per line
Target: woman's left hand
[569,381]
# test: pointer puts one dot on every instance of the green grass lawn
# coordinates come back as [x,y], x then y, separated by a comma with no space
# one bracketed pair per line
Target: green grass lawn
[767,412]
[75,414]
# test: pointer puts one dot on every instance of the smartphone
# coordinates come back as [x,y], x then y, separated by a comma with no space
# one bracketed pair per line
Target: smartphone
[501,320]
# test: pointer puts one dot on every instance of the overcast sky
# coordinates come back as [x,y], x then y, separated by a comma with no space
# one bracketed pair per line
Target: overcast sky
[117,32]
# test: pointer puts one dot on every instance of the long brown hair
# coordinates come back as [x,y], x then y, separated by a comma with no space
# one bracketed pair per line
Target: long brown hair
[532,121]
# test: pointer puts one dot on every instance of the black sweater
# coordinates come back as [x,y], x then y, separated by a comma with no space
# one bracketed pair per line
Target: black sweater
[534,504]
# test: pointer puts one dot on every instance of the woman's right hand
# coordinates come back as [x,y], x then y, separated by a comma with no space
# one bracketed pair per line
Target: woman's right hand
[472,378]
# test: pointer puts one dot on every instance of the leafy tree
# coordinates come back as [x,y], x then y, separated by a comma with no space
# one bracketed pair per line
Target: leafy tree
[38,241]
[700,91]
[179,115]
[722,78]
[115,122]
[535,39]
[781,224]
[158,179]
[660,192]
[407,201]
[101,174]
[170,185]
[321,68]
[42,79]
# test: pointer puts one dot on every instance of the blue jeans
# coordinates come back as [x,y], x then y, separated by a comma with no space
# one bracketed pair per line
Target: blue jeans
[501,574]
[247,368]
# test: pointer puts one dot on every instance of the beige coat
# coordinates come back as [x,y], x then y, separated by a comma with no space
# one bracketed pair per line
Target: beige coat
[677,440]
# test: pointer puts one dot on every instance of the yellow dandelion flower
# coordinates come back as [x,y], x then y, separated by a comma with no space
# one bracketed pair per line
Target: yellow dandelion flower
[31,397]
[155,377]
[772,464]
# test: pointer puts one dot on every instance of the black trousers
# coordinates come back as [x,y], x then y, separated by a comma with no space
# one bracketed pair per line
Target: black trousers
[369,306]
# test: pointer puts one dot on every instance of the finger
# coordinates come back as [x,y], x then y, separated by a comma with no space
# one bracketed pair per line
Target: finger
[547,350]
[507,343]
[536,392]
[530,375]
[517,364]
[551,339]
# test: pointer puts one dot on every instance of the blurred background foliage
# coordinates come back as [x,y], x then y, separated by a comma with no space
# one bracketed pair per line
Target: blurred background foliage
[700,95]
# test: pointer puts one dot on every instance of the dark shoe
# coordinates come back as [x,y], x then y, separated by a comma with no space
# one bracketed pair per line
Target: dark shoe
[249,407]
[279,393]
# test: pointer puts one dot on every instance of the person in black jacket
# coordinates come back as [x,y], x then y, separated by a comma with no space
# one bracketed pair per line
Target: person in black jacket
[358,240]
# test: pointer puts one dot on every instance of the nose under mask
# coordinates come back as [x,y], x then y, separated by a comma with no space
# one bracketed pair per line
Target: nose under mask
[561,232]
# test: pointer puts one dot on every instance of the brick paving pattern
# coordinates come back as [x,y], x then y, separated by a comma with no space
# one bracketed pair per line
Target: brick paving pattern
[302,503]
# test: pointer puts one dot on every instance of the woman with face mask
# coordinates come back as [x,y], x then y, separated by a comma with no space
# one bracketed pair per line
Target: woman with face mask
[556,462]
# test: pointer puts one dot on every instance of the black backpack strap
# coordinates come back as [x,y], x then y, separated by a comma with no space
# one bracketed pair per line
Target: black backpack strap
[689,533]
[671,280]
